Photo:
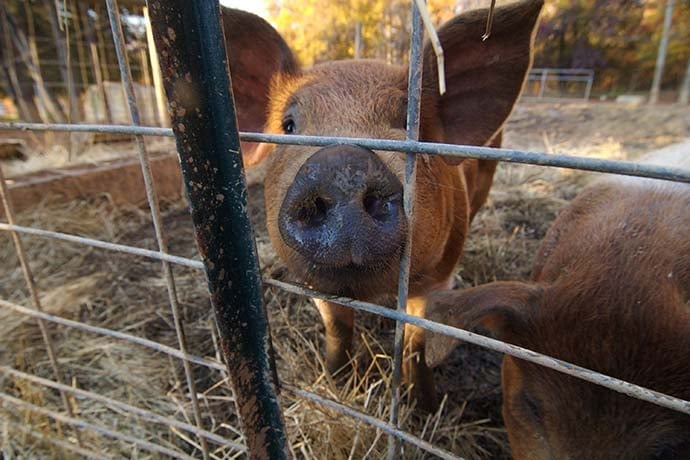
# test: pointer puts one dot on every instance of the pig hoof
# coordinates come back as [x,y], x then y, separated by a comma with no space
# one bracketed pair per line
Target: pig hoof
[339,366]
[426,400]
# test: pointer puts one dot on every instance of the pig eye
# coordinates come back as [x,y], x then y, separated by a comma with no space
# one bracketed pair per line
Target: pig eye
[289,126]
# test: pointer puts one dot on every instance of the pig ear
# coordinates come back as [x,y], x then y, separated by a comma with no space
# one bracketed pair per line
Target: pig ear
[502,307]
[484,78]
[256,54]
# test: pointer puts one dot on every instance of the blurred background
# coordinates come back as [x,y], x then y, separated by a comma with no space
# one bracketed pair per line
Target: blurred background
[58,62]
[58,55]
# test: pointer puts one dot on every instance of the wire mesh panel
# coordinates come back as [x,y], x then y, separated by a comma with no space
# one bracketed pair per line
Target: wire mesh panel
[569,82]
[201,419]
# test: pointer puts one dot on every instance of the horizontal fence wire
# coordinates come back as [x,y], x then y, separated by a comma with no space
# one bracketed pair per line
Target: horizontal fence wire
[627,168]
[373,421]
[558,365]
[66,445]
[388,428]
[174,352]
[128,408]
[88,128]
[612,383]
[561,366]
[148,253]
[618,385]
[9,400]
[6,201]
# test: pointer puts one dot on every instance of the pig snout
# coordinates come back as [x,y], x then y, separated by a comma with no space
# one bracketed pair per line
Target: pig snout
[344,209]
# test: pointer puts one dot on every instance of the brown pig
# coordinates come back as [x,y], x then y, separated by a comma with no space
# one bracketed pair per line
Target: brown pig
[334,214]
[610,292]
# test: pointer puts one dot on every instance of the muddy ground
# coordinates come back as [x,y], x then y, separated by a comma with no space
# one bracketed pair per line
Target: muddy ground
[121,292]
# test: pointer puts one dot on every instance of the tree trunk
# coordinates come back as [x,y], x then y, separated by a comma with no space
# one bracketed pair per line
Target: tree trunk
[102,52]
[685,87]
[29,54]
[62,53]
[27,110]
[661,55]
[95,60]
[79,37]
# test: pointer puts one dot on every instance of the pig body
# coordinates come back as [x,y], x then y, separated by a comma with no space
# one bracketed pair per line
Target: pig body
[334,214]
[610,292]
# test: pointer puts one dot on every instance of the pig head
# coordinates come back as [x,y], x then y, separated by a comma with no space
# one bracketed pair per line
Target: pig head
[334,214]
[610,292]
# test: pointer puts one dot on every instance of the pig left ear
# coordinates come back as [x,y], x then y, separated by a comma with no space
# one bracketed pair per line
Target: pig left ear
[484,78]
[501,307]
[257,54]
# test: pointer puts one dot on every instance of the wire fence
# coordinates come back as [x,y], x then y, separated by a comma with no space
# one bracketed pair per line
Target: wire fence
[560,83]
[261,392]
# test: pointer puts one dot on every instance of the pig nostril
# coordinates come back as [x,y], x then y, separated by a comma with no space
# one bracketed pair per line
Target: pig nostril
[377,206]
[313,213]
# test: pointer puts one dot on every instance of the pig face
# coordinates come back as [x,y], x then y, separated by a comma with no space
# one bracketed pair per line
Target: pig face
[337,217]
[334,214]
[610,292]
[551,415]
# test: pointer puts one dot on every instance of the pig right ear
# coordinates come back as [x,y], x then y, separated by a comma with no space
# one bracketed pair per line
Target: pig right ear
[484,78]
[501,307]
[256,54]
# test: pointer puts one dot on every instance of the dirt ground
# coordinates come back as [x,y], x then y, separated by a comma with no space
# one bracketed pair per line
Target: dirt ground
[128,294]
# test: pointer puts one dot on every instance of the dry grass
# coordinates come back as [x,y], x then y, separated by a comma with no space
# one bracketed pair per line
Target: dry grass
[128,294]
[57,150]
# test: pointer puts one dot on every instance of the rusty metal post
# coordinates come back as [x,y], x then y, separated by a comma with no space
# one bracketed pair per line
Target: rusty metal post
[190,43]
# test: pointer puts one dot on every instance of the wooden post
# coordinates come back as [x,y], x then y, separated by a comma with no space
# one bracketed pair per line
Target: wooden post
[10,69]
[146,74]
[51,106]
[542,82]
[358,39]
[95,59]
[79,36]
[661,55]
[162,109]
[101,44]
[62,52]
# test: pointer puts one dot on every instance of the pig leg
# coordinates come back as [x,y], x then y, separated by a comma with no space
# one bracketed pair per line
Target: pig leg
[339,322]
[415,369]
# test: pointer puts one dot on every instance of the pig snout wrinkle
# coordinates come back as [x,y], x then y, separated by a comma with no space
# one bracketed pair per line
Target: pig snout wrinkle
[344,208]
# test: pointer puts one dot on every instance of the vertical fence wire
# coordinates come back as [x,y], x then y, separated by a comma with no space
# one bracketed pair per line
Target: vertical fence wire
[414,91]
[33,292]
[151,195]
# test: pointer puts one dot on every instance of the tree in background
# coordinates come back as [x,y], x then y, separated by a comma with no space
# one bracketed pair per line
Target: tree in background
[618,39]
[321,30]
